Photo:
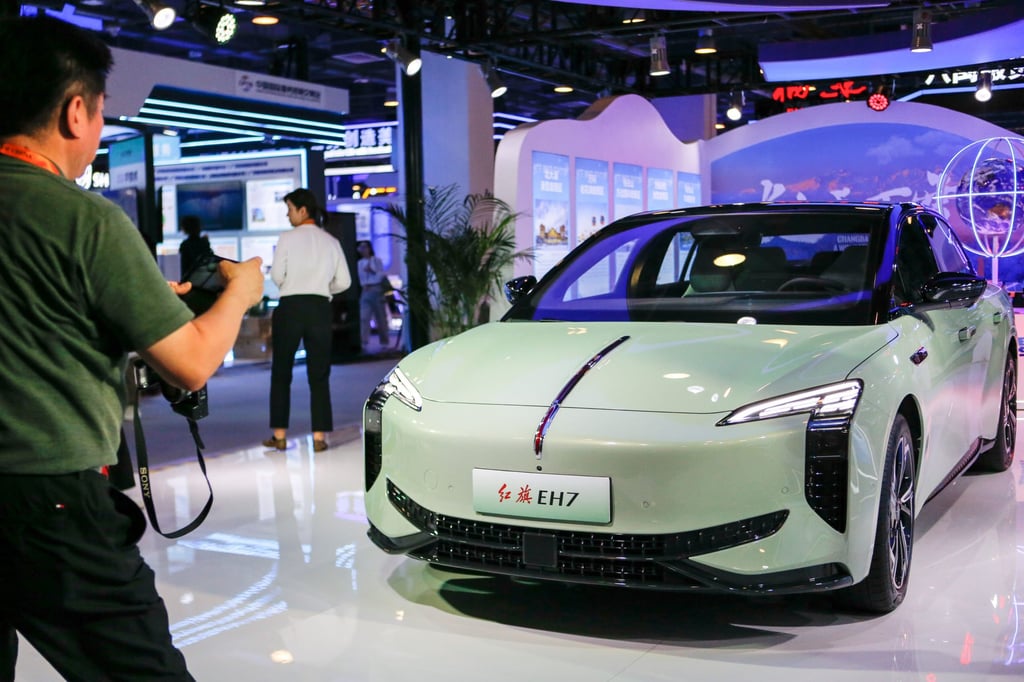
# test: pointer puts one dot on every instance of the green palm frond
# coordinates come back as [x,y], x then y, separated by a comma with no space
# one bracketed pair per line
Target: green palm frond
[470,244]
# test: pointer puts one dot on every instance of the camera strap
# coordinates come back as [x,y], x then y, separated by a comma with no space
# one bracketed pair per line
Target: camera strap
[145,475]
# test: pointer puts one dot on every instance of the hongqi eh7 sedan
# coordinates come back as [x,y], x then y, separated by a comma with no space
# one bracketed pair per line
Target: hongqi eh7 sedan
[755,399]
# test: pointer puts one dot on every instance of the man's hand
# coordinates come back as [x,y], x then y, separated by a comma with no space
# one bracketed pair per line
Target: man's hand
[189,356]
[244,279]
[180,288]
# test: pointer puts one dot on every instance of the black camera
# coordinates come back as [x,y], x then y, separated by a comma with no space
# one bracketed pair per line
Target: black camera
[189,404]
[207,284]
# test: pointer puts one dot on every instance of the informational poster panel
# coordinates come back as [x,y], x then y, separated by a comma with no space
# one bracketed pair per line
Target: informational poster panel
[127,163]
[264,201]
[550,209]
[262,247]
[225,247]
[169,260]
[259,202]
[660,195]
[628,187]
[687,189]
[592,204]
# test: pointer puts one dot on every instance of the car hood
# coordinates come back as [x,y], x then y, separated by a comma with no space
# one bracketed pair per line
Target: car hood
[662,367]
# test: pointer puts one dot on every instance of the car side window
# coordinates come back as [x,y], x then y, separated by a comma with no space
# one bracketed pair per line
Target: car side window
[676,255]
[603,278]
[949,252]
[915,262]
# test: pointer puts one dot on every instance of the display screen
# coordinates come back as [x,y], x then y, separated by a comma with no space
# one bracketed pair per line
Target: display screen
[218,205]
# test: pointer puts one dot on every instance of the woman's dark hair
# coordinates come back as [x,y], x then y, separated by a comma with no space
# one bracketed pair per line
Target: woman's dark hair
[46,62]
[304,198]
[367,243]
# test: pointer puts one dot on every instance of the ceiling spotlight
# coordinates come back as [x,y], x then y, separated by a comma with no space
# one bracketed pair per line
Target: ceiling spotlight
[265,20]
[984,91]
[922,36]
[215,22]
[879,99]
[705,42]
[494,82]
[160,15]
[659,57]
[563,89]
[735,110]
[396,52]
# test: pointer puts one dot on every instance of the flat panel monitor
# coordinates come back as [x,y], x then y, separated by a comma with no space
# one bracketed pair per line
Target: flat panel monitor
[218,205]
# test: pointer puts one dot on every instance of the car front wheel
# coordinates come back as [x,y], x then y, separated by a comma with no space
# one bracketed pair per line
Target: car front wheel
[886,583]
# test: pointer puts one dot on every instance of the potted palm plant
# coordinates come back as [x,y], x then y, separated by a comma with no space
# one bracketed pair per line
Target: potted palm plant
[470,244]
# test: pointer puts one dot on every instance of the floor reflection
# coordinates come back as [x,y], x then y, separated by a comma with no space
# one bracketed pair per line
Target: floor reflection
[281,583]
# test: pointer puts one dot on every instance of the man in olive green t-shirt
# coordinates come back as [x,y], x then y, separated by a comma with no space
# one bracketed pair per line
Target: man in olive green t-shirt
[79,289]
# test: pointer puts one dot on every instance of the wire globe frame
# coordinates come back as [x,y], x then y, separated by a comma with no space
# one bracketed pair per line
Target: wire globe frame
[981,194]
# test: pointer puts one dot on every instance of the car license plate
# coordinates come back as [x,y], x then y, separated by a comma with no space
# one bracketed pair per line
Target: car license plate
[552,497]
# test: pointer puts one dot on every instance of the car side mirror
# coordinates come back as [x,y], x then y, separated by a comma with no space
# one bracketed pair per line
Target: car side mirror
[516,288]
[953,288]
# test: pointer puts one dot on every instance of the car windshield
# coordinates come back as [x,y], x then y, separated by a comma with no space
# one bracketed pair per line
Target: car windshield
[773,267]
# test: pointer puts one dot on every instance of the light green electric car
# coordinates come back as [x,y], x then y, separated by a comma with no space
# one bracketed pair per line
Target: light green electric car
[747,398]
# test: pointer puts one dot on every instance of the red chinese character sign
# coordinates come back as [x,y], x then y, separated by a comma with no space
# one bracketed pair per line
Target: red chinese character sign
[981,193]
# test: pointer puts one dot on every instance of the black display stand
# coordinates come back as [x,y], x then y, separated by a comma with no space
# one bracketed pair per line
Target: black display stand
[346,342]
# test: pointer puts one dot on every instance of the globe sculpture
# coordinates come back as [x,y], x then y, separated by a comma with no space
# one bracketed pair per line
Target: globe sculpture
[981,194]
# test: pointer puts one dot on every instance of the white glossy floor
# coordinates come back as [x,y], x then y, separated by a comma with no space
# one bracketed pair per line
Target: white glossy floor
[281,583]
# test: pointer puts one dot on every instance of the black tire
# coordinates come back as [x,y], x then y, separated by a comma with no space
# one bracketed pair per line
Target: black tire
[1000,456]
[886,583]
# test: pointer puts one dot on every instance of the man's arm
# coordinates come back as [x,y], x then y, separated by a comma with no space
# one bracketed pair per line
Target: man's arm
[188,356]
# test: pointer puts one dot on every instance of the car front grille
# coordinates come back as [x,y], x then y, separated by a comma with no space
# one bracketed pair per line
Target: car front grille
[582,556]
[826,477]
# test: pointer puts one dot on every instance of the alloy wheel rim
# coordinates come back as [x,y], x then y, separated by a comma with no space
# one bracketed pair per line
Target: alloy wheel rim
[1010,407]
[901,513]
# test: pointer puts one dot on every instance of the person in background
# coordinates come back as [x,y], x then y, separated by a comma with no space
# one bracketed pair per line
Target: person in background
[79,289]
[372,306]
[195,246]
[309,267]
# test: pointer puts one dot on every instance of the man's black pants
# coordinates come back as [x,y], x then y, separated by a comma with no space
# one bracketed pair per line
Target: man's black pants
[73,583]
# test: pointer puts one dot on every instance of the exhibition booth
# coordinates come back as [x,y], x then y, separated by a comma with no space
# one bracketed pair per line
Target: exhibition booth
[567,178]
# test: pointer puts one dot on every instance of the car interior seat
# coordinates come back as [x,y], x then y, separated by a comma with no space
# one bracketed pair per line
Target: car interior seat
[705,274]
[849,268]
[763,270]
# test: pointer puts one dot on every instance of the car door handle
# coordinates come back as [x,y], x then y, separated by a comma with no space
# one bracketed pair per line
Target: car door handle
[997,318]
[966,333]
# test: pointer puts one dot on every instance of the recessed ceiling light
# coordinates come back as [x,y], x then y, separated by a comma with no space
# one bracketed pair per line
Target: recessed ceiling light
[264,20]
[563,88]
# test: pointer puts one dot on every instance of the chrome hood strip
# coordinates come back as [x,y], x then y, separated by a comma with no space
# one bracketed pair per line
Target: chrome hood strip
[545,423]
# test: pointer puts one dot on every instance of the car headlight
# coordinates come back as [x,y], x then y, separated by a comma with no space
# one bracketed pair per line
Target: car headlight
[398,385]
[834,401]
[394,384]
